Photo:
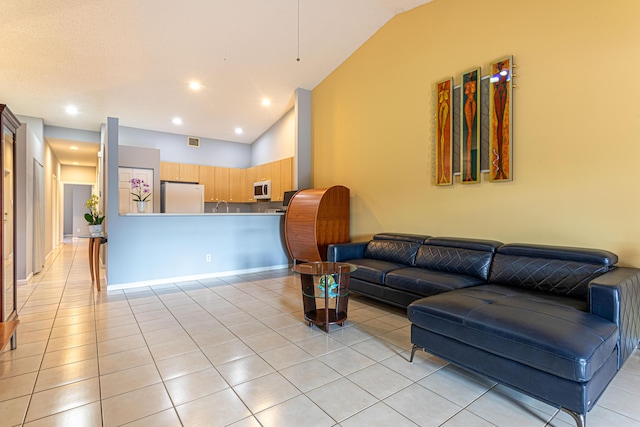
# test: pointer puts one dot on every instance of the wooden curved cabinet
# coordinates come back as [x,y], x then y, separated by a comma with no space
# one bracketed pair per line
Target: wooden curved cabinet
[316,218]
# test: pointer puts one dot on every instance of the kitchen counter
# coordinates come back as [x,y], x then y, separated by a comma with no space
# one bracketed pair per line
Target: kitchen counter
[207,214]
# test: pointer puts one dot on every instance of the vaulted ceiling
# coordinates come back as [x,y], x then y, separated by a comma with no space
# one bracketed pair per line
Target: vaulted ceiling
[134,59]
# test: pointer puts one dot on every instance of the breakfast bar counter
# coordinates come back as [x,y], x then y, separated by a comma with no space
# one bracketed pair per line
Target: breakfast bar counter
[206,214]
[155,248]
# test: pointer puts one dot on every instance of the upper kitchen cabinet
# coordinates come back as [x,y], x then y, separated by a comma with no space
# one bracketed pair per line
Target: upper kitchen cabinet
[286,174]
[181,172]
[276,186]
[236,186]
[281,178]
[207,178]
[249,179]
[263,172]
[221,184]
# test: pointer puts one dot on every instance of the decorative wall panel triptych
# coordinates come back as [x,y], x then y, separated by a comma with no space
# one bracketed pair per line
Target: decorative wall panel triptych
[478,117]
[501,167]
[470,127]
[444,132]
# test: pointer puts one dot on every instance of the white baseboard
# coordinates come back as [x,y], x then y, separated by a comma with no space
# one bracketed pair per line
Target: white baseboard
[167,280]
[25,281]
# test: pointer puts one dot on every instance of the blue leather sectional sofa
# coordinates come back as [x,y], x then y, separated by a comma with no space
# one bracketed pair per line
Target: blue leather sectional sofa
[555,323]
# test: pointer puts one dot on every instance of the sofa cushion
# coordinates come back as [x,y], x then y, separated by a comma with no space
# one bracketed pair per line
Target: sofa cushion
[372,270]
[546,332]
[392,251]
[428,282]
[557,270]
[471,257]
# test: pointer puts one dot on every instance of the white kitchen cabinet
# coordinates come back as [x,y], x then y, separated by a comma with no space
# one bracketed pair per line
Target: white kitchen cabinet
[126,204]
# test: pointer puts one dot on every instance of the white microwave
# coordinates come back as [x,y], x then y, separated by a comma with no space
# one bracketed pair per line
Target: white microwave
[262,189]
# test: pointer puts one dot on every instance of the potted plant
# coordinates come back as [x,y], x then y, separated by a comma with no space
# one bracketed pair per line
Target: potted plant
[141,192]
[94,217]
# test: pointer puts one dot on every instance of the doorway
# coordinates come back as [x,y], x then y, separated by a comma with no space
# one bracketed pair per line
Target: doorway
[38,217]
[75,196]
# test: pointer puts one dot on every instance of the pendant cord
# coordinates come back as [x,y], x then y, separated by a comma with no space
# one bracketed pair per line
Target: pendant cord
[298,57]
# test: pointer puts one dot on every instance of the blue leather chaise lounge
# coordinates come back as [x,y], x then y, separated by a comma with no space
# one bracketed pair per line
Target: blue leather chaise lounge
[555,323]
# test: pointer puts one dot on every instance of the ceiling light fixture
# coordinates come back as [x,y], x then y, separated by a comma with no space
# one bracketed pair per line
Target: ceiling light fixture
[195,85]
[74,148]
[239,131]
[266,102]
[71,110]
[177,121]
[75,163]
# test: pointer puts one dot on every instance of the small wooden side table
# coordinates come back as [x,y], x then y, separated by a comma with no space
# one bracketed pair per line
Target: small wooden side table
[95,240]
[326,284]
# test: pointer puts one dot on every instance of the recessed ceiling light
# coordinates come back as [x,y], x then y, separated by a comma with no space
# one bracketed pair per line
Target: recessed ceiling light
[177,121]
[71,110]
[195,85]
[266,102]
[73,147]
[75,163]
[239,131]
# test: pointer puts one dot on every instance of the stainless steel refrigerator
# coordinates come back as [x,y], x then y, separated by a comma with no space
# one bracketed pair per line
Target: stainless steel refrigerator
[181,198]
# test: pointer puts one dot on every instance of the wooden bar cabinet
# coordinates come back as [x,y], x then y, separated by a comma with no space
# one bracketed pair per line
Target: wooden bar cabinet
[316,218]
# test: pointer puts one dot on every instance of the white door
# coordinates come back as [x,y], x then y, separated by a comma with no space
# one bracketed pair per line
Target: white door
[124,188]
[126,204]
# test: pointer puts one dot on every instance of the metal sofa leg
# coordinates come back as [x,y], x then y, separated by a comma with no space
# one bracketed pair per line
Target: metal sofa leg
[413,352]
[580,419]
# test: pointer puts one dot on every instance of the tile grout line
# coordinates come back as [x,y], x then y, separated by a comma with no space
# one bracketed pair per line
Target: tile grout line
[33,392]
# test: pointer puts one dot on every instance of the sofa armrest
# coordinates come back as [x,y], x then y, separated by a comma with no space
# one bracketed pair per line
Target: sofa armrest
[616,297]
[344,251]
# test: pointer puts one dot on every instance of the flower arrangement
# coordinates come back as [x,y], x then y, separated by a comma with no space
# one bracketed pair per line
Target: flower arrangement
[139,190]
[94,217]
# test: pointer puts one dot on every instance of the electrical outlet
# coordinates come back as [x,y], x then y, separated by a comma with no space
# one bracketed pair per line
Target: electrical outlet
[208,257]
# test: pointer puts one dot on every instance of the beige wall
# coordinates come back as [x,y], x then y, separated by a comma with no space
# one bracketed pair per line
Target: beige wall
[52,193]
[78,174]
[576,124]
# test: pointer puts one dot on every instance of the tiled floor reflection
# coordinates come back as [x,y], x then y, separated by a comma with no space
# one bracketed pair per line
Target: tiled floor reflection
[235,351]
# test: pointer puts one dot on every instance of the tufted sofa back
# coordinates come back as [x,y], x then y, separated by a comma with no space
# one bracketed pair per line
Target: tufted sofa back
[402,237]
[471,257]
[551,269]
[397,251]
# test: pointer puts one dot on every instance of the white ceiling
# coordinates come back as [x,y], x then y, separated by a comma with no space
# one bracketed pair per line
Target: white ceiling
[134,59]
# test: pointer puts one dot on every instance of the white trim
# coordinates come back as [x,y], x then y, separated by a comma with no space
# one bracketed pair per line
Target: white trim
[25,281]
[167,280]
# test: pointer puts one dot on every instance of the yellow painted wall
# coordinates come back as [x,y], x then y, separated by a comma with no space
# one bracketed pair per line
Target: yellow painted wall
[576,124]
[78,174]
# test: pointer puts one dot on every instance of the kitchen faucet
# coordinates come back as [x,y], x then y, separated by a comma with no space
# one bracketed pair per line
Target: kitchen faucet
[217,204]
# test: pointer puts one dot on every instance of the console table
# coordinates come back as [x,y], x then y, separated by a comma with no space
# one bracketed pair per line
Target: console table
[95,240]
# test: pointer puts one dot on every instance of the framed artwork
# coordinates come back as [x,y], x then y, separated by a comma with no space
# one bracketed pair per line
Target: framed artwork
[470,127]
[444,134]
[501,120]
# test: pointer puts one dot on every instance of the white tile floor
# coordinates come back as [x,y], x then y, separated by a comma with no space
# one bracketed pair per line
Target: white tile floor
[235,351]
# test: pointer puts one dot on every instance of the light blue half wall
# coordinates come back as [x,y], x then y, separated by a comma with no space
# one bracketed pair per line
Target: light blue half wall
[162,248]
